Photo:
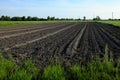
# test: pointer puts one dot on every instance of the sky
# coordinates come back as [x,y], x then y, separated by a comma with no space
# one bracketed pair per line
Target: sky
[61,8]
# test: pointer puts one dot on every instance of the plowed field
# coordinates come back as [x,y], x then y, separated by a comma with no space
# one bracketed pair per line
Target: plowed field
[71,42]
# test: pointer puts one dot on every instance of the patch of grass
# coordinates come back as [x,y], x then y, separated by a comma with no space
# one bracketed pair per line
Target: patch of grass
[106,69]
[20,74]
[31,69]
[27,71]
[54,72]
[9,70]
[116,23]
[97,69]
[77,72]
[21,23]
[6,67]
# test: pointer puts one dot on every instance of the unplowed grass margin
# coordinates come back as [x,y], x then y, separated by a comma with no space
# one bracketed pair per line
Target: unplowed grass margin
[107,69]
[115,23]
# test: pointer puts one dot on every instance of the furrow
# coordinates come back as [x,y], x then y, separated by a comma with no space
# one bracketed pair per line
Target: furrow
[33,31]
[26,29]
[29,42]
[72,48]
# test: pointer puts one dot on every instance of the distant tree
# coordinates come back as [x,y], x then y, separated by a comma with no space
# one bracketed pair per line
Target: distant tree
[48,18]
[97,18]
[23,18]
[35,18]
[13,18]
[57,19]
[16,18]
[94,18]
[71,19]
[29,18]
[78,19]
[110,19]
[5,18]
[42,19]
[62,19]
[52,18]
[2,18]
[84,18]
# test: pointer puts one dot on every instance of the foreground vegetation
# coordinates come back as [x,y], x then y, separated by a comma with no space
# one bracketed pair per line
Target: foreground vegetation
[94,70]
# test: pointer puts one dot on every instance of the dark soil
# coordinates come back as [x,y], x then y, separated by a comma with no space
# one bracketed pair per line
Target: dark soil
[70,42]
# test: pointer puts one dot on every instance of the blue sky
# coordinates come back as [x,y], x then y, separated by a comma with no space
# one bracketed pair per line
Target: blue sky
[61,8]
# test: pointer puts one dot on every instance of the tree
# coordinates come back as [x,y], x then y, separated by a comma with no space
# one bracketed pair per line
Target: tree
[84,18]
[48,18]
[29,18]
[23,18]
[35,18]
[16,18]
[5,18]
[97,18]
[2,18]
[78,19]
[42,19]
[52,18]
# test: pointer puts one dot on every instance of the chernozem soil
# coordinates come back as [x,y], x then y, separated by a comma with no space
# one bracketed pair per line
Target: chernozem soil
[69,43]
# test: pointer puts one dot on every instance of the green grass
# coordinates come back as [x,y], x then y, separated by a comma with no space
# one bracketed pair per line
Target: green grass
[54,72]
[107,69]
[116,23]
[6,67]
[28,71]
[20,23]
[97,69]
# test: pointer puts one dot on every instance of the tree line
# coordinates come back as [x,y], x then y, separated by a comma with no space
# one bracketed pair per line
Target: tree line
[29,18]
[49,18]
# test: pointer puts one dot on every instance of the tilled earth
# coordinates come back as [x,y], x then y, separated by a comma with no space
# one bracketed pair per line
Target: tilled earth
[71,42]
